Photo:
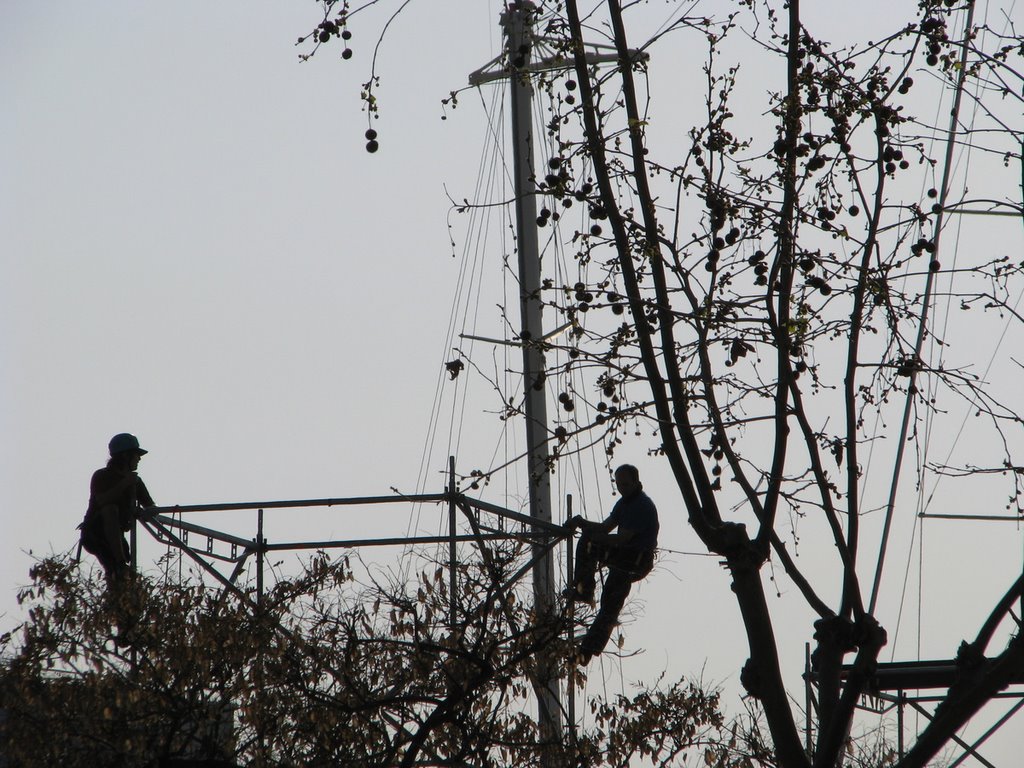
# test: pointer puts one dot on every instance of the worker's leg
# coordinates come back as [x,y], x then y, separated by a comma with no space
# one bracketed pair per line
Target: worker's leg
[108,545]
[121,566]
[616,589]
[589,556]
[102,537]
[96,545]
[124,600]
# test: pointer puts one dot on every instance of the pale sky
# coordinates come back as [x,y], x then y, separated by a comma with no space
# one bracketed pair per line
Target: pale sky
[195,248]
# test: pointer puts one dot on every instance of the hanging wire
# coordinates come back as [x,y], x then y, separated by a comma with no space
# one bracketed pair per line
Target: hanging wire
[936,350]
[926,497]
[462,315]
[920,614]
[903,593]
[964,158]
[926,302]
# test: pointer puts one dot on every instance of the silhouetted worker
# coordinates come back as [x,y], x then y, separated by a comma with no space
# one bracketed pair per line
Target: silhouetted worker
[628,555]
[117,496]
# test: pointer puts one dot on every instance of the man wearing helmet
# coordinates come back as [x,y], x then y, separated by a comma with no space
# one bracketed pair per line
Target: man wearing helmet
[116,495]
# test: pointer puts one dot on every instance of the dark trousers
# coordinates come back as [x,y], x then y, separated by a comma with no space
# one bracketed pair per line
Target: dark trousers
[112,555]
[625,565]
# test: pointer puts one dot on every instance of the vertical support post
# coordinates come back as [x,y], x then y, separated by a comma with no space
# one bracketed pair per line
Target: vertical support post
[901,700]
[808,727]
[570,612]
[261,736]
[453,583]
[260,554]
[518,24]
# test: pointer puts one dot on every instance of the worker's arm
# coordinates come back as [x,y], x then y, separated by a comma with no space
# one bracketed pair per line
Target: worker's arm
[606,537]
[601,531]
[578,522]
[107,486]
[142,495]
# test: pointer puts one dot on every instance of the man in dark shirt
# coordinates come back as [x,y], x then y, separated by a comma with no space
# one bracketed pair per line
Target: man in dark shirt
[117,496]
[628,555]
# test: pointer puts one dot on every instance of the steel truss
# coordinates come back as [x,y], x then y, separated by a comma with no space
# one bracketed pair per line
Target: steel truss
[167,525]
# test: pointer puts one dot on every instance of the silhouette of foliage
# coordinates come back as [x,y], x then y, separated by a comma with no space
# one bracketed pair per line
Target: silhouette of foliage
[325,670]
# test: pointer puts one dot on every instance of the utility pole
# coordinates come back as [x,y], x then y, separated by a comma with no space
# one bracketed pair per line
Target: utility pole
[518,25]
[518,61]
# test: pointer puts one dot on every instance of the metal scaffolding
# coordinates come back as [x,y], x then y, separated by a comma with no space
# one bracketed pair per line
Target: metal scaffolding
[169,525]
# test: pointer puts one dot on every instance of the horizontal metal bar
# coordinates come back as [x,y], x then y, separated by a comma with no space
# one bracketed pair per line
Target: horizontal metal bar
[914,675]
[996,518]
[427,498]
[340,502]
[515,342]
[503,342]
[550,64]
[389,542]
[975,212]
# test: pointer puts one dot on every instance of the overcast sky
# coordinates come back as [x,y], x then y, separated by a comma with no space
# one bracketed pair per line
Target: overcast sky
[194,247]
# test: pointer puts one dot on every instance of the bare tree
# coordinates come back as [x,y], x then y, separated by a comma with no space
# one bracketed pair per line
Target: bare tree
[762,295]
